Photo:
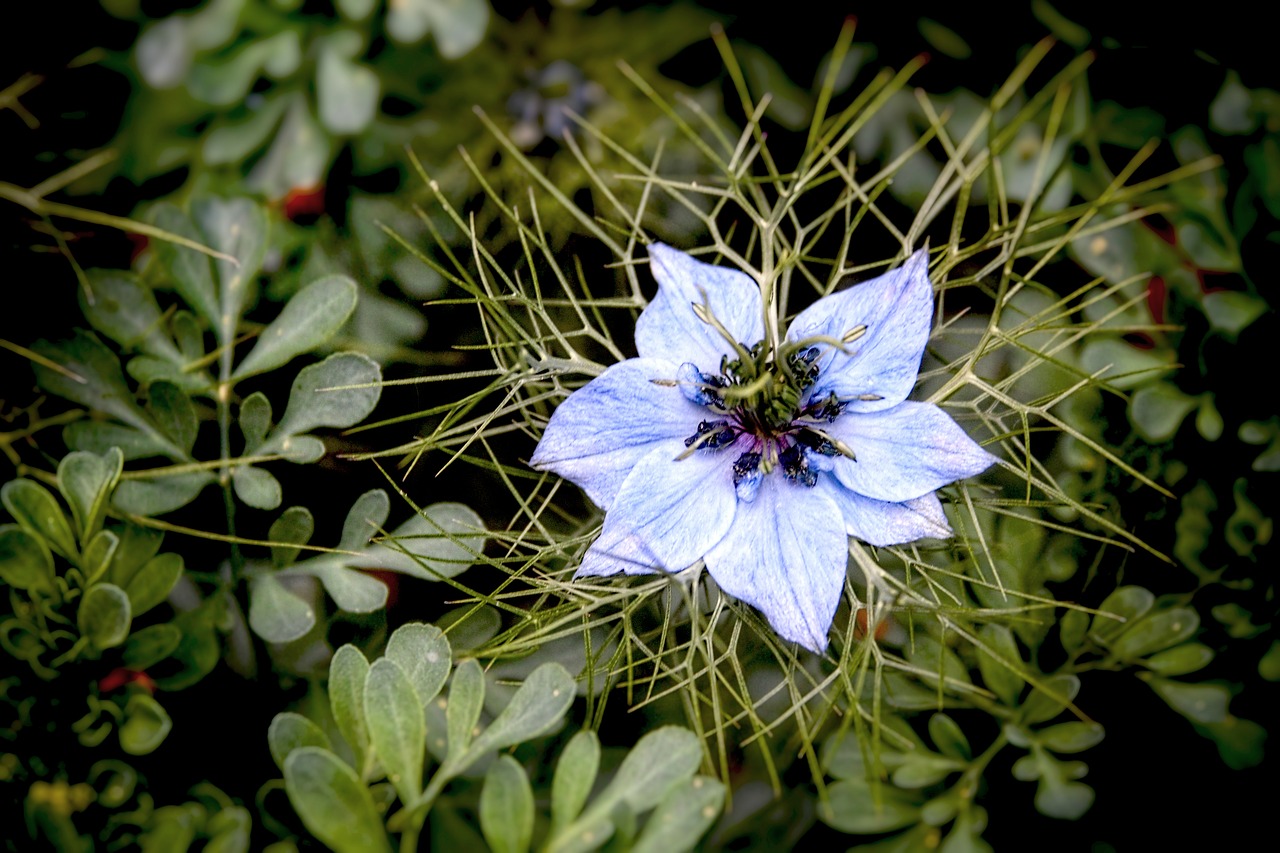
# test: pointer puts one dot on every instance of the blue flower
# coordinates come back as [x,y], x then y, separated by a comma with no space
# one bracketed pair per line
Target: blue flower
[761,460]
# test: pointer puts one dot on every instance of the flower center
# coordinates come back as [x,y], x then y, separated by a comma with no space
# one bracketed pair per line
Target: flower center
[766,411]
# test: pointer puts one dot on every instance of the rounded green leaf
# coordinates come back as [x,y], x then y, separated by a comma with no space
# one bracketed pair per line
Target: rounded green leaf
[346,92]
[338,392]
[353,591]
[506,807]
[120,306]
[852,807]
[146,725]
[1000,662]
[332,802]
[151,584]
[1048,700]
[289,731]
[98,554]
[37,511]
[173,413]
[1072,628]
[535,709]
[1157,410]
[921,769]
[255,420]
[1156,632]
[348,671]
[104,615]
[277,615]
[151,645]
[160,495]
[364,520]
[229,831]
[685,813]
[25,561]
[659,760]
[295,525]
[310,318]
[164,52]
[423,653]
[1071,737]
[949,737]
[1201,703]
[1180,660]
[466,700]
[1063,800]
[1129,603]
[575,776]
[257,487]
[442,541]
[86,481]
[397,727]
[458,25]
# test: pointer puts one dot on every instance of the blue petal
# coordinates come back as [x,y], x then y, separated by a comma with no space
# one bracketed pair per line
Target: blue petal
[603,429]
[883,523]
[617,553]
[670,512]
[897,309]
[668,327]
[786,556]
[905,452]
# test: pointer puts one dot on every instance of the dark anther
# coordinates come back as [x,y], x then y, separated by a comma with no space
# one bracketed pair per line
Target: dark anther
[796,467]
[746,465]
[817,443]
[711,434]
[830,408]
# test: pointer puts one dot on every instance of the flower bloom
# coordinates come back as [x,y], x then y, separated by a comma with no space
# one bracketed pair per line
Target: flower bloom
[759,460]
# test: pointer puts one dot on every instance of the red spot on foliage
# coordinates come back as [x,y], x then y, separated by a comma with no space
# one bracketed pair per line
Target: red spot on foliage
[119,677]
[303,202]
[1157,296]
[138,244]
[391,580]
[860,625]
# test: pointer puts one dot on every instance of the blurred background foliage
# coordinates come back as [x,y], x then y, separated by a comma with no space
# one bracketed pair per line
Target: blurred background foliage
[158,397]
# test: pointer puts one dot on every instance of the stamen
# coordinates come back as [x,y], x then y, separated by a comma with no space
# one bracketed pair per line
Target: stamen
[854,333]
[747,476]
[698,387]
[711,435]
[796,466]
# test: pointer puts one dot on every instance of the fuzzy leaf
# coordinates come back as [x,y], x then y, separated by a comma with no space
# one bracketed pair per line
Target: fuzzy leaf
[146,648]
[124,309]
[466,701]
[277,615]
[1000,665]
[37,511]
[1156,632]
[25,561]
[309,319]
[353,591]
[441,542]
[289,731]
[255,420]
[86,481]
[104,615]
[354,380]
[151,584]
[332,802]
[347,674]
[397,728]
[346,93]
[506,806]
[575,776]
[173,413]
[190,271]
[146,725]
[535,709]
[295,525]
[685,813]
[257,487]
[423,653]
[160,495]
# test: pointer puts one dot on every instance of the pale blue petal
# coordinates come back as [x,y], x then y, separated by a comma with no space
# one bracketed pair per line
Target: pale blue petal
[882,523]
[905,452]
[599,433]
[617,553]
[669,329]
[896,308]
[786,556]
[670,512]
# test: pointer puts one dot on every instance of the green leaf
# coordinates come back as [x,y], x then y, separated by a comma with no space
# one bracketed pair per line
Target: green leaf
[1157,410]
[298,156]
[191,271]
[365,518]
[104,615]
[309,319]
[164,52]
[685,813]
[535,709]
[235,227]
[1063,800]
[289,731]
[338,392]
[1122,365]
[1129,603]
[922,769]
[233,142]
[441,542]
[333,804]
[1231,312]
[37,511]
[255,420]
[199,650]
[25,561]
[851,806]
[120,306]
[945,40]
[295,525]
[423,653]
[173,413]
[138,545]
[160,495]
[348,671]
[1048,702]
[355,10]
[98,555]
[1000,665]
[1240,742]
[1201,703]
[1230,111]
[397,728]
[100,436]
[86,481]
[229,831]
[256,487]
[1072,628]
[146,725]
[661,759]
[466,700]
[346,93]
[1180,660]
[574,777]
[277,615]
[1156,632]
[147,647]
[351,590]
[1070,737]
[151,584]
[1269,665]
[506,805]
[949,737]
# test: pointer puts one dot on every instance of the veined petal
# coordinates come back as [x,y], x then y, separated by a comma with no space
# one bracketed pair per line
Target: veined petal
[668,328]
[905,452]
[599,433]
[671,510]
[896,308]
[883,523]
[785,556]
[616,552]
